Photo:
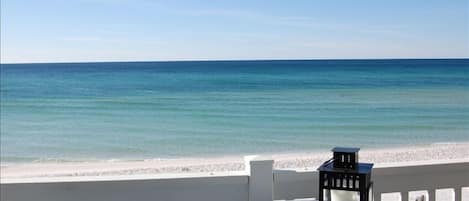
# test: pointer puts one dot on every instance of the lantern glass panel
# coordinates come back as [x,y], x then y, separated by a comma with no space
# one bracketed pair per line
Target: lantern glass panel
[326,195]
[342,195]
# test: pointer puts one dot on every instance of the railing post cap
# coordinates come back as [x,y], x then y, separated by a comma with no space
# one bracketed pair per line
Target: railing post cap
[258,159]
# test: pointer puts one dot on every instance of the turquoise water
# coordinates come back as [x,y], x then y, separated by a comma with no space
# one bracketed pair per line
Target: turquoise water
[146,110]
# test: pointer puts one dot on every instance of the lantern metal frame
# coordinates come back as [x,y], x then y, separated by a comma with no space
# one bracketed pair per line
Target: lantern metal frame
[343,172]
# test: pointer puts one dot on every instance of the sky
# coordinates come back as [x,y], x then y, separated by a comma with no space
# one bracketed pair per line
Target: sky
[145,30]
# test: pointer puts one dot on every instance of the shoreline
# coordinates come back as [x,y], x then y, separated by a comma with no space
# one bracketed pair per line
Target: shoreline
[304,160]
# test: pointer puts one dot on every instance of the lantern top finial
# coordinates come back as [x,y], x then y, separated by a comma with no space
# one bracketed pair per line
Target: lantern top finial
[345,157]
[345,149]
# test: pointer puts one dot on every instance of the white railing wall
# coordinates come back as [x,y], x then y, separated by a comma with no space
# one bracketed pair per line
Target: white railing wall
[422,177]
[258,183]
[291,184]
[216,188]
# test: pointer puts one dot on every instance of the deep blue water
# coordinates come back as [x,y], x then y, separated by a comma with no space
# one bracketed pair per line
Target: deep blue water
[141,110]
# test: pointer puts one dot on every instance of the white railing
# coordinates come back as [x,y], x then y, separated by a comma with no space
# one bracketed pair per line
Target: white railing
[260,182]
[402,179]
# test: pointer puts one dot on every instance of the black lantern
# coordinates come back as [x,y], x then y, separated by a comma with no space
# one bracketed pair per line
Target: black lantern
[343,178]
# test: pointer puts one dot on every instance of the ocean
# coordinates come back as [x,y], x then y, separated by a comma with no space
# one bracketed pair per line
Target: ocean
[150,110]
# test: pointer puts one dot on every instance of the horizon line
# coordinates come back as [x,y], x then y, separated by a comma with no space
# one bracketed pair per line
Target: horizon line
[234,60]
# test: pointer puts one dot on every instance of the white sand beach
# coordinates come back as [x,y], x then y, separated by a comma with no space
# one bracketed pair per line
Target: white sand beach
[307,161]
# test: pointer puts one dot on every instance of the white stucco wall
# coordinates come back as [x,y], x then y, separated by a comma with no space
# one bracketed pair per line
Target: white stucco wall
[258,183]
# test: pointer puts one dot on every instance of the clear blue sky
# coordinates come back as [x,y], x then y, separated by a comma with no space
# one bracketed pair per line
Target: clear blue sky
[117,30]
